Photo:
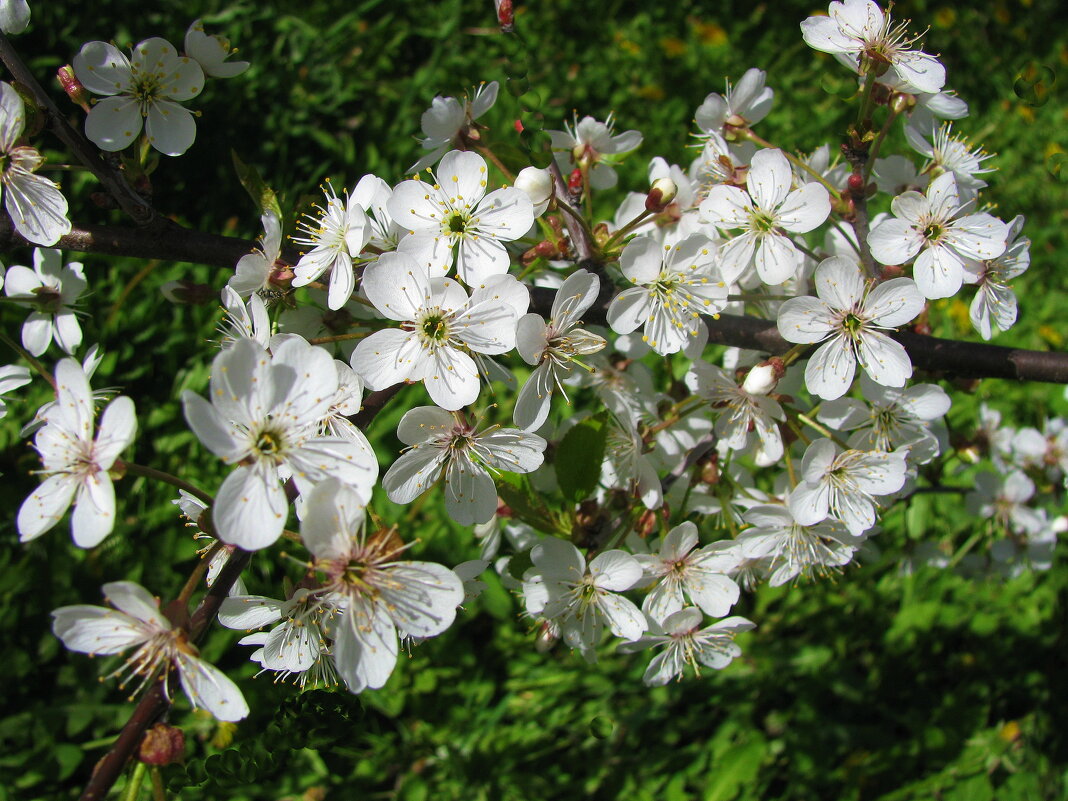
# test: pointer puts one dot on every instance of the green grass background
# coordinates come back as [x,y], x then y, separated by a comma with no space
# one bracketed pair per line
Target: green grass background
[877,685]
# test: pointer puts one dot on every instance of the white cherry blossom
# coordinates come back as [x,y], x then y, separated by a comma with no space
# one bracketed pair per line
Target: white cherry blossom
[144,90]
[374,596]
[675,285]
[994,304]
[948,153]
[51,289]
[862,37]
[35,204]
[890,418]
[848,313]
[930,225]
[787,549]
[739,412]
[439,324]
[768,210]
[443,443]
[682,572]
[336,236]
[448,121]
[256,269]
[211,52]
[740,106]
[265,417]
[689,644]
[454,219]
[75,464]
[582,600]
[137,622]
[843,485]
[554,346]
[592,144]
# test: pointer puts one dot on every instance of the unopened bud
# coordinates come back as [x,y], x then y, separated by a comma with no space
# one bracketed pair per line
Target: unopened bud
[660,195]
[188,292]
[762,379]
[548,634]
[538,186]
[710,471]
[162,745]
[855,182]
[505,15]
[73,87]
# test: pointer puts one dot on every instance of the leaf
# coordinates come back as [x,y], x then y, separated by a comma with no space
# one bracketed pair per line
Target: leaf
[262,195]
[526,504]
[578,459]
[737,768]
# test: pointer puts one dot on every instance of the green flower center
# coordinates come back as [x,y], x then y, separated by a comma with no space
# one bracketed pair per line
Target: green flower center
[852,324]
[457,223]
[434,327]
[932,231]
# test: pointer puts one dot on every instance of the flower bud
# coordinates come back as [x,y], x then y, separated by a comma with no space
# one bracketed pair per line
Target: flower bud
[73,87]
[162,745]
[762,379]
[505,15]
[660,195]
[538,185]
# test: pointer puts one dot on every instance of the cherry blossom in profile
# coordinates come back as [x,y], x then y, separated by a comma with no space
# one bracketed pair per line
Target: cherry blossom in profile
[866,40]
[35,204]
[137,622]
[448,121]
[552,347]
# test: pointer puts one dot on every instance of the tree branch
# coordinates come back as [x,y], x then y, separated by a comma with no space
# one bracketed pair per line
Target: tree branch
[112,180]
[166,239]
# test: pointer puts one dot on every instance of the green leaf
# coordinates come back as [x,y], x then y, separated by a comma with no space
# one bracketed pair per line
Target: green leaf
[262,195]
[526,504]
[578,459]
[737,768]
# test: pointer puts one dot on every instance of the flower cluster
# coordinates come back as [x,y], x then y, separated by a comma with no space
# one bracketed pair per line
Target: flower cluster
[652,475]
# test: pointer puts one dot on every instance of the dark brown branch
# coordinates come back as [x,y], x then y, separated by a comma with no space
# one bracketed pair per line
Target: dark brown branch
[168,240]
[128,200]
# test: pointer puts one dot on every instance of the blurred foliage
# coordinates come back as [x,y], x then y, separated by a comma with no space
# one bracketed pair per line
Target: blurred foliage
[884,684]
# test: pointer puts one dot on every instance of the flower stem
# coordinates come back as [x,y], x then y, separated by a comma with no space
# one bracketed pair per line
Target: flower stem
[34,363]
[198,573]
[133,786]
[801,165]
[626,229]
[167,478]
